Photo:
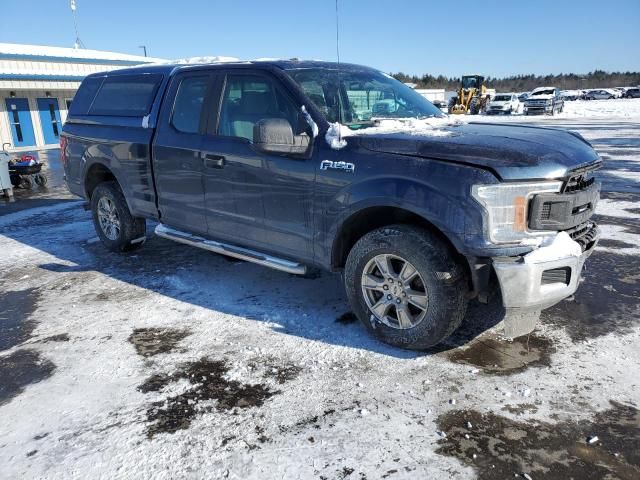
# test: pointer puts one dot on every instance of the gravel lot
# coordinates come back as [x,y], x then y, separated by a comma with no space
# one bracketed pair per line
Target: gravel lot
[177,363]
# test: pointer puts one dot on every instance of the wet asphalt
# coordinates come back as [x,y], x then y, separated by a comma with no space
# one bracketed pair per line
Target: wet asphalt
[591,313]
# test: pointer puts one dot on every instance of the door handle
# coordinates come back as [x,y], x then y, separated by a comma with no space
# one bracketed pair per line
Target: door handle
[211,160]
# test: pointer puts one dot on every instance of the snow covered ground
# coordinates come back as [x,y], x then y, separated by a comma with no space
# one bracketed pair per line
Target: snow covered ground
[177,363]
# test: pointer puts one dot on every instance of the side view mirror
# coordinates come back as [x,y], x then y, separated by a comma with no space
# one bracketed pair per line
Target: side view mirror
[5,145]
[275,135]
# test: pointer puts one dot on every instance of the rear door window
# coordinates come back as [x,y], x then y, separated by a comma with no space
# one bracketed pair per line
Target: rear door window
[187,108]
[126,95]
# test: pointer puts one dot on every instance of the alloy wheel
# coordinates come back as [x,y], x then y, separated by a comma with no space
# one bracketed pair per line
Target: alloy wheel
[394,291]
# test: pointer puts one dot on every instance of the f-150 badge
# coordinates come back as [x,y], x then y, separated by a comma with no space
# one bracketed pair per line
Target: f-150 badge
[329,165]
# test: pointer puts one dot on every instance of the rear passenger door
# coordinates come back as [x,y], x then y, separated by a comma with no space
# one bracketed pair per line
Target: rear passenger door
[178,165]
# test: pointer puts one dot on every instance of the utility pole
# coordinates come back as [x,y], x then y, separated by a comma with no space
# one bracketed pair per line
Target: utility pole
[144,49]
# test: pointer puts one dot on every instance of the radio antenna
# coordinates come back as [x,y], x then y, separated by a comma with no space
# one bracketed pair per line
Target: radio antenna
[337,33]
[78,43]
[339,90]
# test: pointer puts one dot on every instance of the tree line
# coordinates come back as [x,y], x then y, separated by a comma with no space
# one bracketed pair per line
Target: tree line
[523,83]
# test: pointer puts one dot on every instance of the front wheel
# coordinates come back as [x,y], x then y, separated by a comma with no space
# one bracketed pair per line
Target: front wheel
[406,286]
[118,230]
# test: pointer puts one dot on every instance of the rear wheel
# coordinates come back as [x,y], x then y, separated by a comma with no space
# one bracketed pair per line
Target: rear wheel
[41,180]
[118,230]
[405,286]
[26,182]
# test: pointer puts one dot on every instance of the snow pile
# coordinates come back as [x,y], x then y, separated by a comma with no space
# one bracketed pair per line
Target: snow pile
[622,107]
[199,60]
[335,135]
[554,248]
[433,127]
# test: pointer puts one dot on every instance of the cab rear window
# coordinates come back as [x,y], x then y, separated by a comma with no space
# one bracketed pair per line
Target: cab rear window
[119,95]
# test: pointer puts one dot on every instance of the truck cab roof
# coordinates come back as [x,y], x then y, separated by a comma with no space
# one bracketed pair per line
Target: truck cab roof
[174,68]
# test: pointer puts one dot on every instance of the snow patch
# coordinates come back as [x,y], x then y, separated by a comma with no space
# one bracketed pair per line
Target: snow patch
[433,127]
[554,248]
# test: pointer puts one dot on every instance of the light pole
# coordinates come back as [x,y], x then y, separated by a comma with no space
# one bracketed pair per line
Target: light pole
[144,49]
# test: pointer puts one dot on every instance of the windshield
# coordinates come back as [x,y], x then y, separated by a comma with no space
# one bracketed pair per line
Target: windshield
[469,82]
[548,91]
[502,98]
[355,98]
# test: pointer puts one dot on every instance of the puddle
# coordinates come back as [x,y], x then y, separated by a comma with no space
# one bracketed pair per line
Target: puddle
[605,302]
[207,383]
[15,325]
[504,357]
[559,451]
[20,369]
[153,341]
[520,408]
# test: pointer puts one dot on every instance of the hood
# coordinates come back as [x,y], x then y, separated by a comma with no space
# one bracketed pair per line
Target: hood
[498,103]
[547,96]
[511,152]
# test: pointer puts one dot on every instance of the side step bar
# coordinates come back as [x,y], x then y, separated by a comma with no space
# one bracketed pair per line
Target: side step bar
[231,250]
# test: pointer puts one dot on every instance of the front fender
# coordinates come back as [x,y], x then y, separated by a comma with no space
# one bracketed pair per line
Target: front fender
[442,198]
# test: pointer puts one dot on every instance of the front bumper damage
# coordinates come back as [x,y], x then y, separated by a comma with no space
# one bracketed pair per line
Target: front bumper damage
[536,285]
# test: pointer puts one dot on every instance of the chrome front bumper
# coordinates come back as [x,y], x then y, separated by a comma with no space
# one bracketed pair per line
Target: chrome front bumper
[522,285]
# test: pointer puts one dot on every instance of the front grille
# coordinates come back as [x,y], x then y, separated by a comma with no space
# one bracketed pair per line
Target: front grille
[584,234]
[578,183]
[556,275]
[545,213]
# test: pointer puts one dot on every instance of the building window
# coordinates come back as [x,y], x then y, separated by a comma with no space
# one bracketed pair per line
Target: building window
[54,120]
[16,124]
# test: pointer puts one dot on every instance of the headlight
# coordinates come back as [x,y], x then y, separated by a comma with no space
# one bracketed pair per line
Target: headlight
[506,206]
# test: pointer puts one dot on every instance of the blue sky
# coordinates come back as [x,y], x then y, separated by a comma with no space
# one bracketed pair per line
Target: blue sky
[492,37]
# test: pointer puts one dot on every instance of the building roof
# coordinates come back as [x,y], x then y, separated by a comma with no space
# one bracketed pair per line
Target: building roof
[15,51]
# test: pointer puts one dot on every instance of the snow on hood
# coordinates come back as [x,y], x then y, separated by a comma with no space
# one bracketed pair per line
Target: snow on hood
[433,127]
[545,96]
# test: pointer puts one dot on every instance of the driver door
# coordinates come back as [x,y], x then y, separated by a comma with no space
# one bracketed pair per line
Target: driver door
[253,198]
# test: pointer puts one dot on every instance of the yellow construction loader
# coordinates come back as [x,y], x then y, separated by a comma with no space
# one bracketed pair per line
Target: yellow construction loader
[472,96]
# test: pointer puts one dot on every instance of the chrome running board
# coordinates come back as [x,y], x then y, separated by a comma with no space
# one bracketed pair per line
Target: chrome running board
[231,250]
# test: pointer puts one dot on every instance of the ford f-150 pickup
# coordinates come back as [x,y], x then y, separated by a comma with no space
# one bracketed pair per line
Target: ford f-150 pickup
[305,165]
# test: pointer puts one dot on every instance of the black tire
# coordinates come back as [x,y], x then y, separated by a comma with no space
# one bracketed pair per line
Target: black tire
[444,279]
[26,182]
[41,180]
[452,102]
[131,235]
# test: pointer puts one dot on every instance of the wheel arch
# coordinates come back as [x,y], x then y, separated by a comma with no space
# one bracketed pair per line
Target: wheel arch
[98,172]
[369,218]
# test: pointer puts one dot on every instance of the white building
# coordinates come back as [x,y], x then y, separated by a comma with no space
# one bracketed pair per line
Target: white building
[37,85]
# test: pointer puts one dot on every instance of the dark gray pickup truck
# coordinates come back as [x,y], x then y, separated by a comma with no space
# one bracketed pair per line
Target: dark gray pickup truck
[300,166]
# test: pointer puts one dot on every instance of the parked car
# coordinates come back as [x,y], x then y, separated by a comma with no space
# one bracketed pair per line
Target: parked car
[599,95]
[632,93]
[545,100]
[441,104]
[262,162]
[505,103]
[571,95]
